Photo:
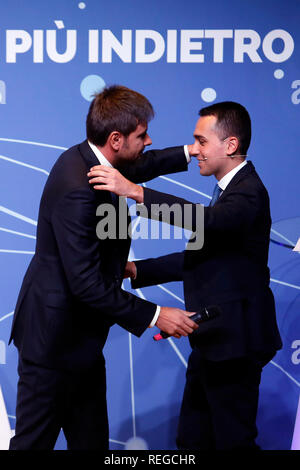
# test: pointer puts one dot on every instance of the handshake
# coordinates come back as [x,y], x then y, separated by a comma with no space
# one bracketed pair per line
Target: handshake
[173,321]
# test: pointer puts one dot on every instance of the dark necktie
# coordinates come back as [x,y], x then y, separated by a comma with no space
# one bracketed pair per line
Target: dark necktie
[216,194]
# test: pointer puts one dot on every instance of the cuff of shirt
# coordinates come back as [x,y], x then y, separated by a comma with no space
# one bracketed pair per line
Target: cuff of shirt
[188,157]
[154,320]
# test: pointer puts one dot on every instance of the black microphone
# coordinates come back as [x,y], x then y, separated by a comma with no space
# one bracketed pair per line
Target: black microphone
[205,314]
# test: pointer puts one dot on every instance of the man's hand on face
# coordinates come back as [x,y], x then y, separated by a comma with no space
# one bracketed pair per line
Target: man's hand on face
[109,179]
[175,322]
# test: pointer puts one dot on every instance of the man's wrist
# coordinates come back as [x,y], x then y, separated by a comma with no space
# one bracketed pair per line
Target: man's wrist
[134,271]
[156,315]
[137,193]
[187,149]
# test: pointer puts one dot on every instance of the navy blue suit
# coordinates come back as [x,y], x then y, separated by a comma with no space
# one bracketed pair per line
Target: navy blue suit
[230,271]
[70,296]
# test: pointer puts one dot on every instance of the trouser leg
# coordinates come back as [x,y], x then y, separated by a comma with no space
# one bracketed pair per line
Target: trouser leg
[49,400]
[37,420]
[85,422]
[195,430]
[220,403]
[232,390]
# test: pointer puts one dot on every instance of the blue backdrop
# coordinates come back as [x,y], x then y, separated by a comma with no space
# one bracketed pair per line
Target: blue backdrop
[182,56]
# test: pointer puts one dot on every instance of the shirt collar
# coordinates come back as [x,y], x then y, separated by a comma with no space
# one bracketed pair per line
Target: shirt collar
[224,182]
[99,155]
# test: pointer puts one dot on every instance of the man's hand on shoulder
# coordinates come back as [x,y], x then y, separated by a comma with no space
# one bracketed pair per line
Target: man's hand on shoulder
[110,179]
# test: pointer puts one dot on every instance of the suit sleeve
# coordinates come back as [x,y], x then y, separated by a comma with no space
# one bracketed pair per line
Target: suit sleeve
[156,162]
[233,213]
[74,224]
[153,271]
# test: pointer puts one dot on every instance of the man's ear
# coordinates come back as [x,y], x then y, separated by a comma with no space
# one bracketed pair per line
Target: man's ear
[232,145]
[115,140]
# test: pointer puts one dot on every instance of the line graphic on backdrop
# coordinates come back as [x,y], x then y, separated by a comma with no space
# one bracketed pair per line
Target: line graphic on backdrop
[117,442]
[132,384]
[17,215]
[17,162]
[170,293]
[173,345]
[283,237]
[2,229]
[29,142]
[184,186]
[20,252]
[286,373]
[7,316]
[285,284]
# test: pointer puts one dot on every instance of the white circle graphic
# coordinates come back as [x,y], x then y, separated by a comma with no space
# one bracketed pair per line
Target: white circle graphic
[90,85]
[208,95]
[136,443]
[279,73]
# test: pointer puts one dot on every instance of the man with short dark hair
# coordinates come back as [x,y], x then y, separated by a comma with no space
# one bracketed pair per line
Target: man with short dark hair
[116,108]
[221,393]
[71,293]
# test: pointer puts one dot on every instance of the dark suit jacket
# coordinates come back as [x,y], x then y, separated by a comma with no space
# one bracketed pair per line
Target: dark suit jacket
[71,293]
[229,271]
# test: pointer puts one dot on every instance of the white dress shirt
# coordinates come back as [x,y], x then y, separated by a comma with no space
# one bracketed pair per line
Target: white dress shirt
[224,182]
[99,155]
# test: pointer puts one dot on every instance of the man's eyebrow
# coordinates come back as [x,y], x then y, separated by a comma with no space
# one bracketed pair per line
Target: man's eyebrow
[199,136]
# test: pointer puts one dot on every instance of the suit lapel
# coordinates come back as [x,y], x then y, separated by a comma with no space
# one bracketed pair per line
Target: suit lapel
[243,173]
[91,160]
[88,155]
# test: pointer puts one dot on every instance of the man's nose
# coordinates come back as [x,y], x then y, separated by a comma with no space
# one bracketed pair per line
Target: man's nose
[147,140]
[194,149]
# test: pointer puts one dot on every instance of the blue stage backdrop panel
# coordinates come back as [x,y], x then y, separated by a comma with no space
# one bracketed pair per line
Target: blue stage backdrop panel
[182,56]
